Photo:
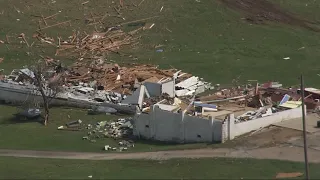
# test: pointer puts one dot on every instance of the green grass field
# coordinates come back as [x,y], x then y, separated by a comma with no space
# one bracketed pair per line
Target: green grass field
[27,168]
[206,39]
[34,136]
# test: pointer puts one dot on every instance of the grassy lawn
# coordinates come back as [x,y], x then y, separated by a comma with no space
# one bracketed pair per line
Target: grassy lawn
[28,168]
[204,38]
[34,136]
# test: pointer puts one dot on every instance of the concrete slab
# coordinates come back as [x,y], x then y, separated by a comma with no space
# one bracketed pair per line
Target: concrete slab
[311,123]
[313,141]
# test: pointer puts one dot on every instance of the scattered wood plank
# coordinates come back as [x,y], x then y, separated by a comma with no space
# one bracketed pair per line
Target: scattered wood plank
[39,24]
[94,23]
[161,9]
[138,20]
[57,24]
[140,2]
[59,41]
[22,35]
[51,16]
[85,2]
[168,30]
[45,22]
[117,10]
[15,8]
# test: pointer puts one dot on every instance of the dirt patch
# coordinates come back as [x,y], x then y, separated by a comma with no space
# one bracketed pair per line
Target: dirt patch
[260,11]
[268,137]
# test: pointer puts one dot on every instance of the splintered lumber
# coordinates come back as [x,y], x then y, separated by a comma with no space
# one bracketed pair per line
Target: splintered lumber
[139,20]
[7,38]
[117,10]
[24,39]
[116,78]
[98,43]
[140,2]
[53,15]
[45,22]
[57,24]
[85,2]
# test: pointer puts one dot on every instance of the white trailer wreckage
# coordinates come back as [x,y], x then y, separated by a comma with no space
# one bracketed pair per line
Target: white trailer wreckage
[18,87]
[166,110]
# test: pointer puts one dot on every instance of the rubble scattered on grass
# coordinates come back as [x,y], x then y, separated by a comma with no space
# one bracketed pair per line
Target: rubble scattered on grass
[90,45]
[93,81]
[72,125]
[118,130]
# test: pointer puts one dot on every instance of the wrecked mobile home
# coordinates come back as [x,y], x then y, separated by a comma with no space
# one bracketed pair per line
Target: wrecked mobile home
[116,91]
[165,103]
[222,116]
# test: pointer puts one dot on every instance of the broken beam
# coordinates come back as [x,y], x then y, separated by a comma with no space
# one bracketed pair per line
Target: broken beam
[48,17]
[54,25]
[139,20]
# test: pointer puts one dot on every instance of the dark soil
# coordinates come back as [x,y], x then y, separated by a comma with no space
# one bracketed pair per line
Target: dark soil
[260,11]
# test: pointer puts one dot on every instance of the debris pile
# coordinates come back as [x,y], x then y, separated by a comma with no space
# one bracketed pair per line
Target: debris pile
[122,128]
[123,146]
[249,102]
[95,44]
[163,99]
[124,80]
[119,129]
[72,125]
[261,112]
[107,88]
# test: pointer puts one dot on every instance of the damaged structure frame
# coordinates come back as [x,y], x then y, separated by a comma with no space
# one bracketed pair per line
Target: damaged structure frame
[160,121]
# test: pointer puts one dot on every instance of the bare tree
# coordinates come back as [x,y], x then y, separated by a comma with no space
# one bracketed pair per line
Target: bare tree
[49,86]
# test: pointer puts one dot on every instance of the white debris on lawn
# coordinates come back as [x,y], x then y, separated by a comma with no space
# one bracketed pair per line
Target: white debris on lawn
[122,128]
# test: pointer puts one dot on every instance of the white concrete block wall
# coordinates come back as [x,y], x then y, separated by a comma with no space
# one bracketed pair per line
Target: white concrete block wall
[217,130]
[167,125]
[175,127]
[142,126]
[197,129]
[237,129]
[224,131]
